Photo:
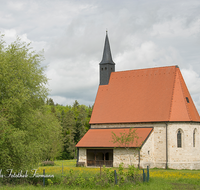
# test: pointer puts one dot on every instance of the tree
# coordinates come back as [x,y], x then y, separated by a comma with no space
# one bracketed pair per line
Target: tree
[69,124]
[75,123]
[28,133]
[125,139]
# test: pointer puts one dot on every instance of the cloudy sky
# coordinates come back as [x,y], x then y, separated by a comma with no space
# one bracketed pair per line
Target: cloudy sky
[142,34]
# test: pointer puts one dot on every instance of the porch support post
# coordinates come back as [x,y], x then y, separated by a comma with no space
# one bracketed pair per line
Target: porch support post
[95,158]
[104,158]
[78,156]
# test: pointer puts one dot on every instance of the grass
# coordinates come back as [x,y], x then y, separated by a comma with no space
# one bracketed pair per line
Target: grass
[159,178]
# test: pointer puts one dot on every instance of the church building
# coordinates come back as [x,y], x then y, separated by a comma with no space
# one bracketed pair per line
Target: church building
[156,103]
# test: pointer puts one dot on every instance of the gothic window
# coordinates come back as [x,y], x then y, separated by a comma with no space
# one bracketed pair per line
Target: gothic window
[194,138]
[179,139]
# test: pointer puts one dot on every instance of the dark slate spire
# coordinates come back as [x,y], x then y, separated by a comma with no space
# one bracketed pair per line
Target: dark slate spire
[107,57]
[107,65]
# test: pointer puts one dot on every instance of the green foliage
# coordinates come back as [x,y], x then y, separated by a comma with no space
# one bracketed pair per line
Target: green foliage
[131,171]
[48,163]
[188,179]
[28,133]
[125,139]
[50,182]
[108,174]
[75,123]
[121,169]
[104,180]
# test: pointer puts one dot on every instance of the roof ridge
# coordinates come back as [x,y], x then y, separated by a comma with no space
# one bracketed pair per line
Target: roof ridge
[172,97]
[146,69]
[184,96]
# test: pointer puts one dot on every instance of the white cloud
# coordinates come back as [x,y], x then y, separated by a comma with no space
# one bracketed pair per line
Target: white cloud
[148,54]
[142,34]
[192,80]
[176,28]
[16,5]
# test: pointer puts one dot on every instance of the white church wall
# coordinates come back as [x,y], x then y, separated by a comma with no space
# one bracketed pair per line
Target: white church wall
[157,144]
[82,155]
[127,157]
[187,156]
[147,153]
[153,152]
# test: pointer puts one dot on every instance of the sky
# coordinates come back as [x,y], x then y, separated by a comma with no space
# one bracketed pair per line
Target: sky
[142,34]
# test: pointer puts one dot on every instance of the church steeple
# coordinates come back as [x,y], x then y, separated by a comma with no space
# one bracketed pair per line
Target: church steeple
[106,65]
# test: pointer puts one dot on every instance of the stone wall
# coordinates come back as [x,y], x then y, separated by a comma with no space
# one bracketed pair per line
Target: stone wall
[147,153]
[187,156]
[122,155]
[153,152]
[82,155]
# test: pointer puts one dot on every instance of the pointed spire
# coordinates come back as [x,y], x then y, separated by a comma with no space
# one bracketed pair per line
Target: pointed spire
[107,57]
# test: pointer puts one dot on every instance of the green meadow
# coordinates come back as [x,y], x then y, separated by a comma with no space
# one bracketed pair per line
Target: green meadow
[90,178]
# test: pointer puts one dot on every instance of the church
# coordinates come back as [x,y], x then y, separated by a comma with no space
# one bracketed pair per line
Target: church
[156,104]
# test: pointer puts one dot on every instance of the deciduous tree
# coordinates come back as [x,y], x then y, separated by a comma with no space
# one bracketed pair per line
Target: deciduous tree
[28,133]
[125,139]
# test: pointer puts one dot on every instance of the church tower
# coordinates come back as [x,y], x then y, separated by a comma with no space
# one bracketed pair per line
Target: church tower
[106,65]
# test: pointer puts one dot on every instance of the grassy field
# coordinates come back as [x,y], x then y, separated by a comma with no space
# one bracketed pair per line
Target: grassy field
[159,179]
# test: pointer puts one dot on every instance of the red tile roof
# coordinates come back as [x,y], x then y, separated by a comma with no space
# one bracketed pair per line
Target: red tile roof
[145,95]
[103,137]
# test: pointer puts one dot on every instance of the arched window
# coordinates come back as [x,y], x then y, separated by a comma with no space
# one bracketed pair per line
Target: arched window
[194,138]
[179,139]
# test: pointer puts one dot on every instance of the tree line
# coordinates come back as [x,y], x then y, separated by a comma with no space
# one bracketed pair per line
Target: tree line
[74,121]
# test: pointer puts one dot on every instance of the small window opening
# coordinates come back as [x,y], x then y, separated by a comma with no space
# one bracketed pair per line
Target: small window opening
[148,152]
[111,68]
[179,139]
[102,69]
[187,99]
[194,135]
[105,68]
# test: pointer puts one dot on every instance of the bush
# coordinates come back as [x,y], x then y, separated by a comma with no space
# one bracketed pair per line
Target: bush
[105,179]
[48,163]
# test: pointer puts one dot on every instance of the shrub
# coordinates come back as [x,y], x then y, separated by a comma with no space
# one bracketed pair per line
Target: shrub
[47,163]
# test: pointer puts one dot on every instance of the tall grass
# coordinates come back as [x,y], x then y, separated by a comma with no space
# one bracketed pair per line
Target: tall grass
[159,178]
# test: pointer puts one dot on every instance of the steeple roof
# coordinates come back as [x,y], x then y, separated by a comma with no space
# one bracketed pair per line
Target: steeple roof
[107,57]
[144,95]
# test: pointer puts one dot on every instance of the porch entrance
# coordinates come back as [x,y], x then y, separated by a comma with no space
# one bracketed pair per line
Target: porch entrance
[100,157]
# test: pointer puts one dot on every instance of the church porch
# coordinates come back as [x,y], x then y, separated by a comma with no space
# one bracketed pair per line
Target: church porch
[100,157]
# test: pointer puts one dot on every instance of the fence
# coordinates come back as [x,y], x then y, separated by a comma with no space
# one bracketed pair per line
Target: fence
[146,176]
